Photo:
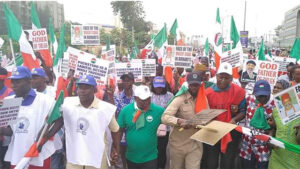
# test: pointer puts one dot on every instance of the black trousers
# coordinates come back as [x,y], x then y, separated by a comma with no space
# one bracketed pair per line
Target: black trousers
[162,143]
[147,165]
[211,154]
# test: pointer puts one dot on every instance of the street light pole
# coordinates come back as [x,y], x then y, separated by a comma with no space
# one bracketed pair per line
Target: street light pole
[245,15]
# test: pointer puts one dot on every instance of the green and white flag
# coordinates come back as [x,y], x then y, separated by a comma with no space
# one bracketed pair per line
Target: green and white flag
[261,52]
[295,51]
[34,18]
[61,46]
[53,40]
[234,35]
[206,47]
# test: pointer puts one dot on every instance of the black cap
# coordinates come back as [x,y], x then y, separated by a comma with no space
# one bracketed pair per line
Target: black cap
[128,75]
[251,62]
[194,78]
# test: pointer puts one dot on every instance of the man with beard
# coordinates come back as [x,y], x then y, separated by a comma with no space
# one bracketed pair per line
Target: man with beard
[249,74]
[184,152]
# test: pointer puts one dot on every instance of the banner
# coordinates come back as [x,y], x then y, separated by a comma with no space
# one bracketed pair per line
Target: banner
[244,38]
[283,62]
[93,66]
[9,109]
[287,104]
[109,55]
[135,68]
[234,57]
[267,71]
[39,38]
[149,66]
[85,35]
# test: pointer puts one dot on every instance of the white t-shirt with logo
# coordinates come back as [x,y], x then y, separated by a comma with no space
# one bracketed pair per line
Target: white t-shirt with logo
[84,129]
[26,128]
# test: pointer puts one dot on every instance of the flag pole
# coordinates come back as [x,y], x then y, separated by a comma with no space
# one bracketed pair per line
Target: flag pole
[12,51]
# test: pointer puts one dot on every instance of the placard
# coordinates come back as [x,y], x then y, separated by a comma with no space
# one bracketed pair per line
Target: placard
[287,104]
[250,69]
[283,62]
[267,71]
[39,38]
[168,58]
[85,35]
[135,68]
[9,109]
[210,137]
[183,56]
[93,66]
[234,57]
[149,66]
[109,55]
[64,65]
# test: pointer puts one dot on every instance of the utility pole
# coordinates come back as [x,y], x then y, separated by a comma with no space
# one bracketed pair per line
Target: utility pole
[245,15]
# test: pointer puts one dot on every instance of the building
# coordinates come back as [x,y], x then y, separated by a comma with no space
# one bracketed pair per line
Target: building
[21,10]
[290,28]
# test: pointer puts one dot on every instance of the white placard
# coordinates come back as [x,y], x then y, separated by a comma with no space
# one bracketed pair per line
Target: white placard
[109,55]
[287,104]
[234,57]
[9,109]
[94,67]
[39,39]
[149,66]
[85,35]
[135,68]
[283,62]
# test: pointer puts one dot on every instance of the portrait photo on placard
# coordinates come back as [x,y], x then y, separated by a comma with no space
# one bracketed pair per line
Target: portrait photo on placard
[250,69]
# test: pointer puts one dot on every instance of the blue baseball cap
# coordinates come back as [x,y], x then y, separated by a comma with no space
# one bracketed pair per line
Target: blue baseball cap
[159,81]
[20,72]
[87,79]
[38,72]
[262,88]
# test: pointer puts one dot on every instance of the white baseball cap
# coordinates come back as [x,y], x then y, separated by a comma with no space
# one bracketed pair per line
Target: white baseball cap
[142,92]
[225,68]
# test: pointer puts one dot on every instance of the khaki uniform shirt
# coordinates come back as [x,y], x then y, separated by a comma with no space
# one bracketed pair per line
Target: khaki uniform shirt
[181,107]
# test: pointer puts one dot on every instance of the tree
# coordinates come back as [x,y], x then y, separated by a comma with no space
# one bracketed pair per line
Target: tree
[132,14]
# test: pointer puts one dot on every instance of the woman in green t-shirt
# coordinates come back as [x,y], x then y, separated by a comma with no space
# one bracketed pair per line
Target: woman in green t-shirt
[281,158]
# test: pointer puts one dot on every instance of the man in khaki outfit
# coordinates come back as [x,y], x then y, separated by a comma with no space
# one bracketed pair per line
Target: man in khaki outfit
[185,153]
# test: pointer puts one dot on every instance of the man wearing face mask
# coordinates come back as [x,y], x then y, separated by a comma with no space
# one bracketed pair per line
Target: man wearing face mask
[141,120]
[184,152]
[255,153]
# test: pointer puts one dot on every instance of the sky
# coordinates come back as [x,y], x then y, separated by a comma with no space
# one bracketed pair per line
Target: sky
[195,17]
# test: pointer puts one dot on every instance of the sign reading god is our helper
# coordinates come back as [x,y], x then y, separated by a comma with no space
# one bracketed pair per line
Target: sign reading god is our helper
[135,68]
[92,66]
[9,109]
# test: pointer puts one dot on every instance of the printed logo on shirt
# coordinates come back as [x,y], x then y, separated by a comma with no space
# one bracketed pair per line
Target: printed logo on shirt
[82,125]
[22,125]
[149,119]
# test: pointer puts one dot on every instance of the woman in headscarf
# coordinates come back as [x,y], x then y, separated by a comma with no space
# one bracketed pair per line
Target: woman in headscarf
[281,158]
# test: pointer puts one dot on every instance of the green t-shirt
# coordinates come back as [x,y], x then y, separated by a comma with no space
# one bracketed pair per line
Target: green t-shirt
[141,143]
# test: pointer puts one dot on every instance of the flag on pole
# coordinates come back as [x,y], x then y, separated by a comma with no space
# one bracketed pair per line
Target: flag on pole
[135,51]
[107,43]
[174,28]
[55,113]
[161,38]
[37,25]
[15,32]
[234,35]
[261,52]
[53,40]
[218,40]
[295,51]
[61,46]
[206,47]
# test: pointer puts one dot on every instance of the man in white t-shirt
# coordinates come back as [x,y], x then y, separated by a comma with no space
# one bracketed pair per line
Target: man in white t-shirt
[38,82]
[86,118]
[32,114]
